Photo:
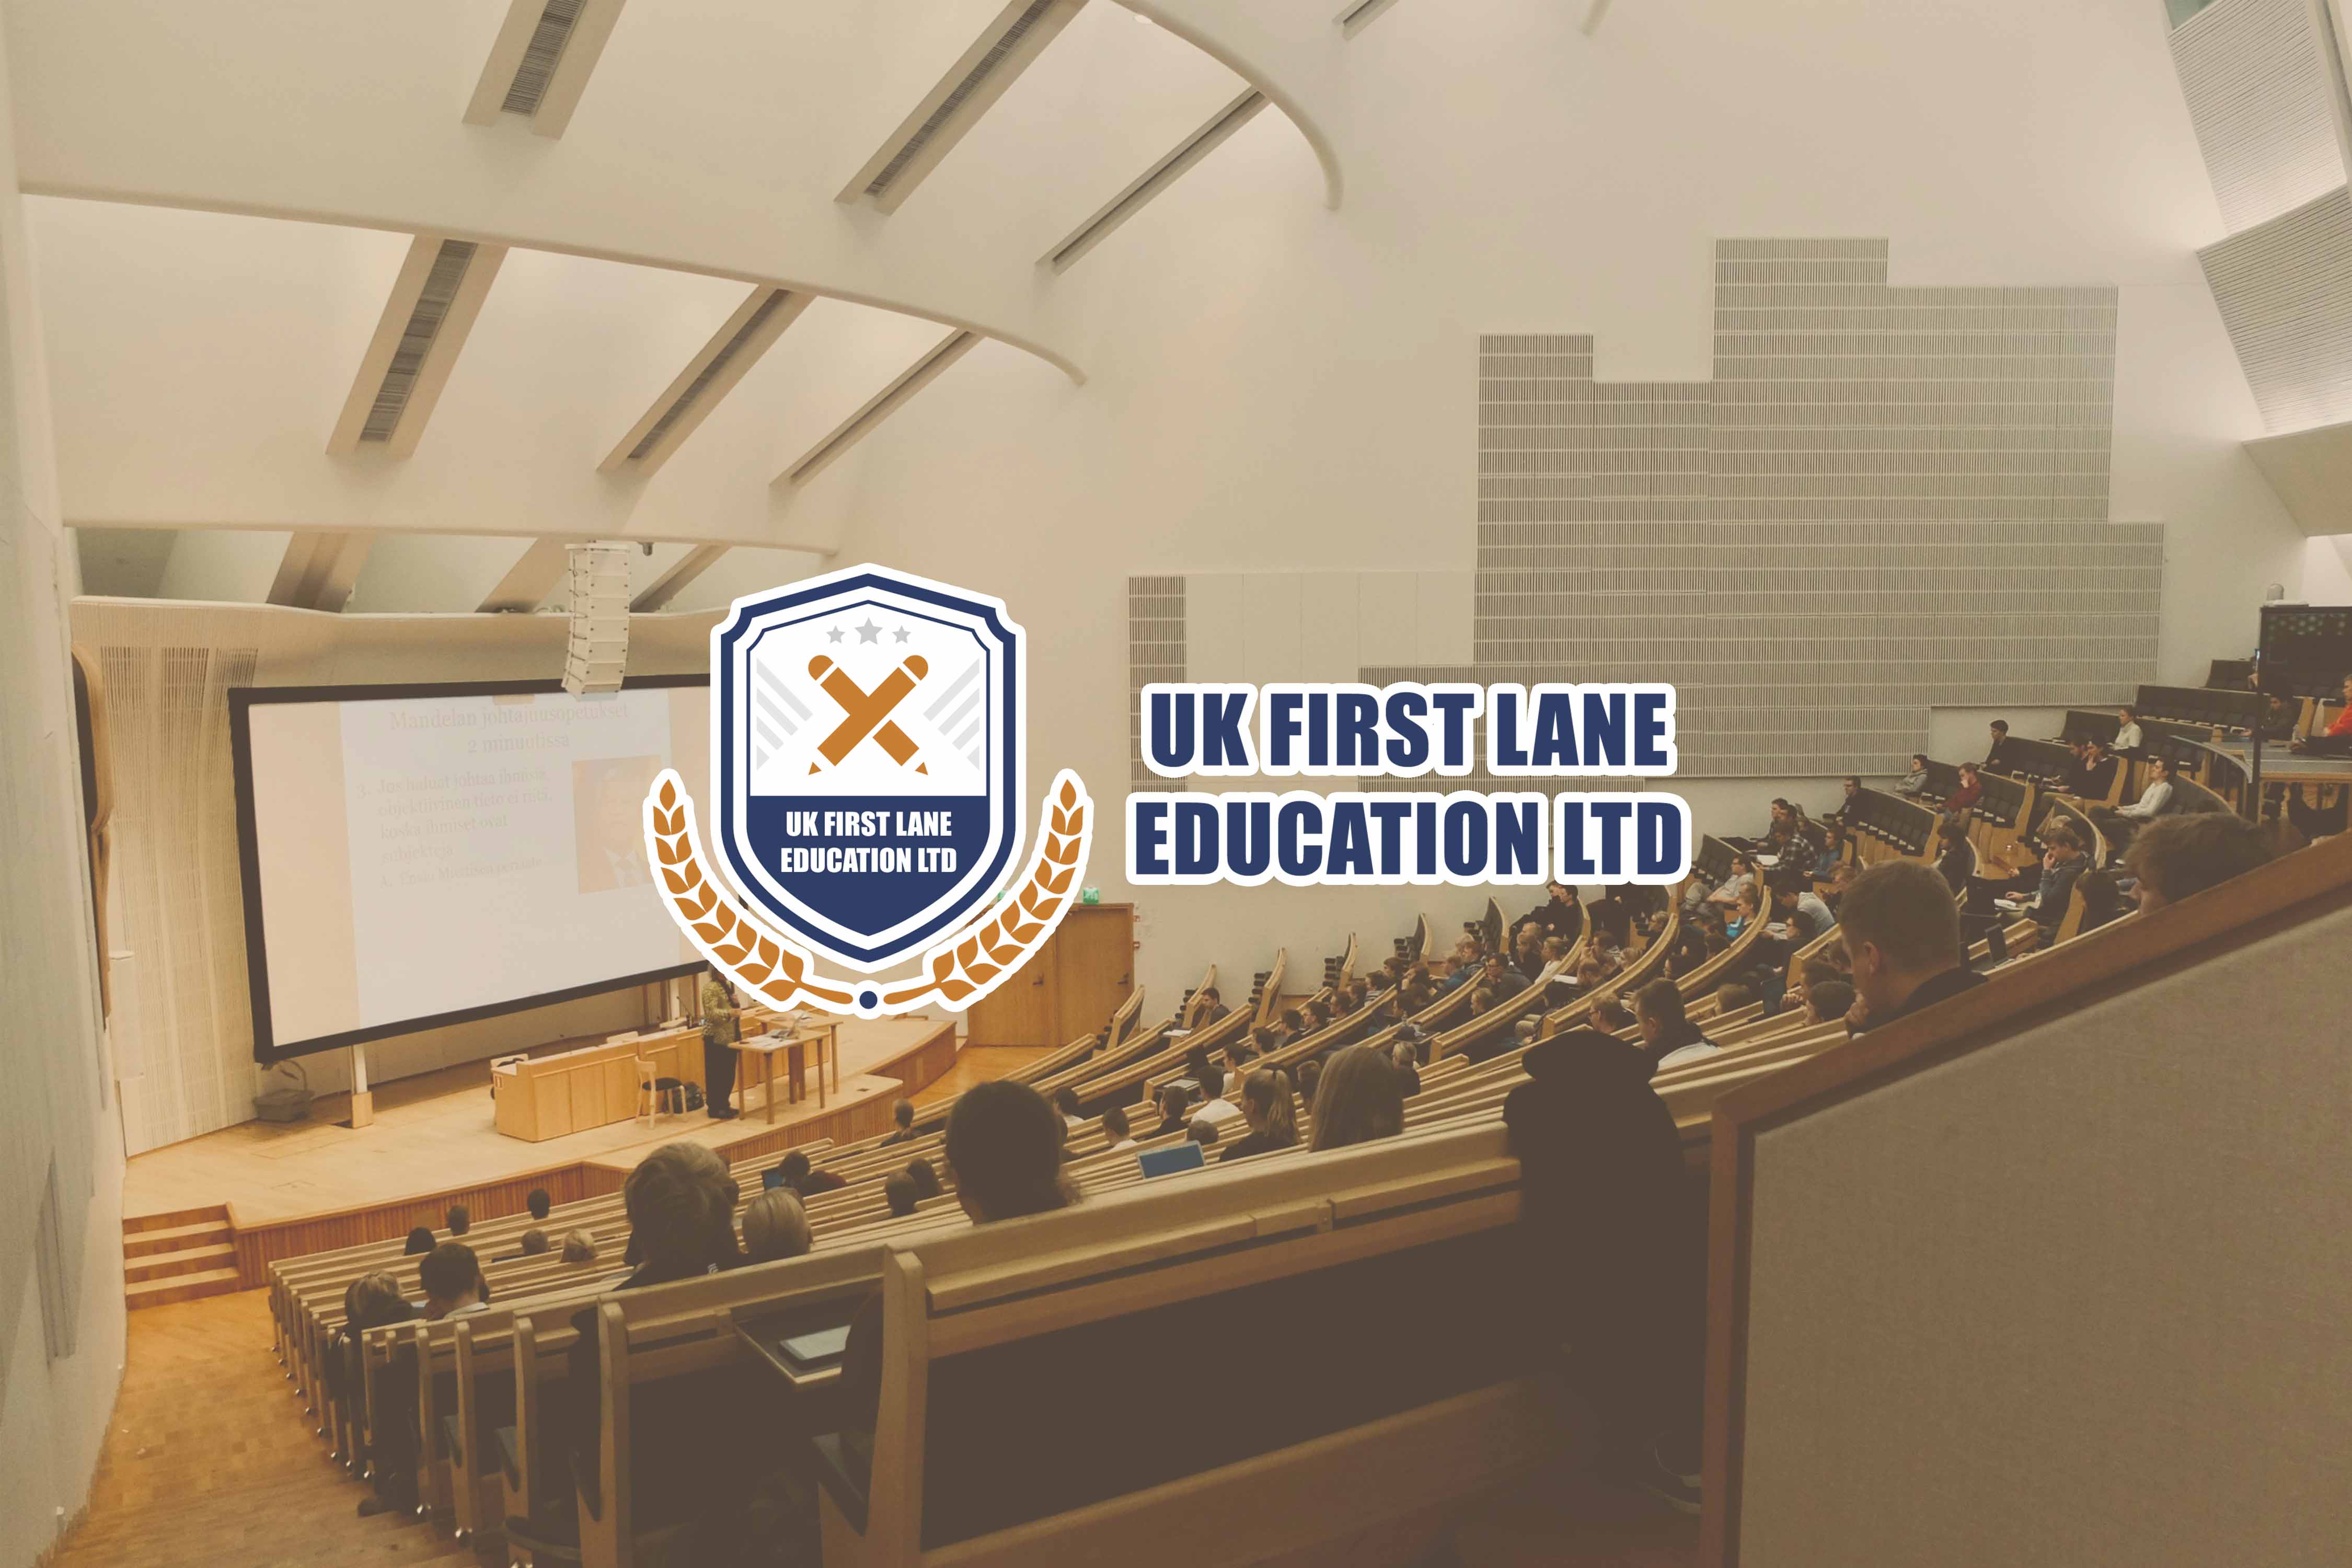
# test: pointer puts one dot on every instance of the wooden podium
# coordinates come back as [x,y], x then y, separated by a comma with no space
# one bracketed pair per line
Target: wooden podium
[541,1098]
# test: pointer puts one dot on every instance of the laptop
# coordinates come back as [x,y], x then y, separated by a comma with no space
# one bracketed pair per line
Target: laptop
[1185,1156]
[818,1347]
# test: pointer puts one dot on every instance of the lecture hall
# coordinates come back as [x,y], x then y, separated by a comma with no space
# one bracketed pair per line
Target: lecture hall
[1305,783]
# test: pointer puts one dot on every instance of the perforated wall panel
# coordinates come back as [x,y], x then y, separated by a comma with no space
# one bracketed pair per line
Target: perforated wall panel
[2284,289]
[2256,84]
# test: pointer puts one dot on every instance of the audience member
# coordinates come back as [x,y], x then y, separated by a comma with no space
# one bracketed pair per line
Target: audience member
[2061,863]
[2099,769]
[902,1122]
[2127,736]
[804,1179]
[1311,1079]
[2157,798]
[1208,1008]
[1816,911]
[579,1246]
[926,1178]
[1962,801]
[1561,915]
[1847,802]
[1901,934]
[1175,1103]
[372,1302]
[538,1202]
[2178,857]
[452,1279]
[1272,1112]
[1116,1132]
[1215,1108]
[1668,1037]
[1359,1098]
[2000,727]
[1913,783]
[534,1242]
[898,1192]
[1732,996]
[1408,1066]
[460,1219]
[1065,1100]
[776,1227]
[420,1242]
[1201,1130]
[1956,859]
[1615,1253]
[1829,1001]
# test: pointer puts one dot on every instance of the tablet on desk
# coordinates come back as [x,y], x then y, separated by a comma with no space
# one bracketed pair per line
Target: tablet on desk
[772,1178]
[1184,1156]
[819,1347]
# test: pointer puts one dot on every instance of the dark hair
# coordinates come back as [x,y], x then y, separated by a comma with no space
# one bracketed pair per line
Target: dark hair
[534,1242]
[680,1201]
[1360,1097]
[1172,1099]
[1005,1145]
[1114,1122]
[1731,997]
[1853,780]
[1213,1080]
[795,1167]
[1661,1001]
[1065,1100]
[2001,725]
[899,1191]
[1830,999]
[2183,855]
[1196,1060]
[420,1242]
[925,1177]
[1310,1074]
[460,1218]
[1905,909]
[538,1202]
[2159,760]
[903,1113]
[449,1270]
[1920,758]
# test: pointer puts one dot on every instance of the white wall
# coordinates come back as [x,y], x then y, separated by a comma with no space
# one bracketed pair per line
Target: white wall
[61,1308]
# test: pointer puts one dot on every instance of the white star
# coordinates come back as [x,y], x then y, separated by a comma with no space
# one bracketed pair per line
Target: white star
[902,634]
[833,634]
[869,631]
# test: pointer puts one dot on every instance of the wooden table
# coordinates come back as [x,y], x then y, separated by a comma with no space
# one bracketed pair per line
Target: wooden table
[762,1050]
[546,1097]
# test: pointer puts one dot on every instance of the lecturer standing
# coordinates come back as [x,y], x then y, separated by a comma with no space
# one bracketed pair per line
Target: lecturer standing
[722,1025]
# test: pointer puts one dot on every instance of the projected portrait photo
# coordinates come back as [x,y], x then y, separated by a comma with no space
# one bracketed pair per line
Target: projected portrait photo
[607,796]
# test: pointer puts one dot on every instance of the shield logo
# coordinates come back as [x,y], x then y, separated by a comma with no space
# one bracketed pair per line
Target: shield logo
[865,742]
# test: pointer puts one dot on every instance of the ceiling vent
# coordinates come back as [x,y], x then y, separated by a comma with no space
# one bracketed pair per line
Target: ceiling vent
[1156,179]
[541,60]
[434,302]
[725,360]
[1020,33]
[883,404]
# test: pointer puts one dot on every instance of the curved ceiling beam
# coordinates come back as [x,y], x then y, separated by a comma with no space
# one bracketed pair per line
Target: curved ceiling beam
[1245,62]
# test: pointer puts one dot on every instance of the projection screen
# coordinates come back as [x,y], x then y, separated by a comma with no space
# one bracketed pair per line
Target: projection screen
[421,856]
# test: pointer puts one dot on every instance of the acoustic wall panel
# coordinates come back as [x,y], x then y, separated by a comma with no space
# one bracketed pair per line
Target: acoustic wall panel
[2284,289]
[2257,87]
[1887,499]
[1155,651]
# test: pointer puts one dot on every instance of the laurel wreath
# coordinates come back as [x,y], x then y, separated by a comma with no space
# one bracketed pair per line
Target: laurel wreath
[961,970]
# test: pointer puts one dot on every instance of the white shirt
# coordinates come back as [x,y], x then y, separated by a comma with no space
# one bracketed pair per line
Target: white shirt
[2127,738]
[1122,1143]
[1690,1053]
[2152,799]
[1809,903]
[1216,1112]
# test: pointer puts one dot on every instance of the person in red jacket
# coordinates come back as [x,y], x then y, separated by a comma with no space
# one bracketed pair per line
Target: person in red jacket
[1964,799]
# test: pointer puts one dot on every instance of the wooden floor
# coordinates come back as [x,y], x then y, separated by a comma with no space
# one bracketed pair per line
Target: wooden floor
[433,1132]
[209,1463]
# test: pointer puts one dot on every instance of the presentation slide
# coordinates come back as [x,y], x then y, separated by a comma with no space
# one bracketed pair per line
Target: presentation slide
[448,852]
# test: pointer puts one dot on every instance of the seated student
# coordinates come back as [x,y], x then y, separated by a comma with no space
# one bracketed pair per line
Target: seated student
[452,1278]
[1955,861]
[1175,1113]
[1560,915]
[2000,729]
[1201,1131]
[370,1301]
[1465,963]
[1829,1001]
[1913,783]
[1526,949]
[1294,1026]
[579,1247]
[2157,798]
[1359,1098]
[540,1204]
[680,1204]
[1743,876]
[2099,766]
[1731,997]
[1065,1100]
[774,1226]
[1612,1013]
[926,1179]
[2075,779]
[2061,863]
[1604,1196]
[1310,1078]
[1816,911]
[1848,802]
[1116,1132]
[2178,856]
[1272,1112]
[2103,899]
[1841,875]
[1901,931]
[1962,801]
[460,1219]
[2127,737]
[1668,1037]
[804,1179]
[898,1192]
[420,1242]
[1208,1008]
[2336,741]
[534,1242]
[1408,1065]
[1834,849]
[902,1120]
[1215,1108]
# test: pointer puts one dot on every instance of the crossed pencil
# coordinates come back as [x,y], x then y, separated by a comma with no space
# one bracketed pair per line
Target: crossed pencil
[867,712]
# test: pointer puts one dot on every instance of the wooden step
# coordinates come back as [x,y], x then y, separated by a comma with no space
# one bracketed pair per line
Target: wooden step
[215,1213]
[139,1244]
[180,1287]
[197,1260]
